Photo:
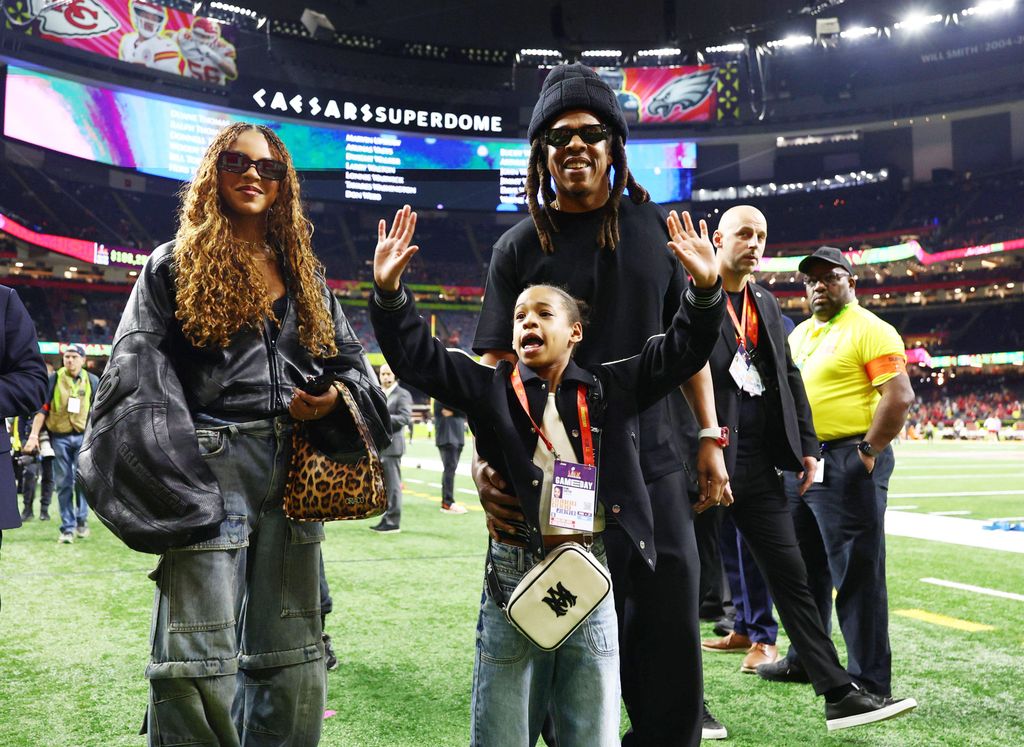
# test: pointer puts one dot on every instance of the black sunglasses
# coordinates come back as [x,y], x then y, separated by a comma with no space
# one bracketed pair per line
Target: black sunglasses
[239,163]
[590,134]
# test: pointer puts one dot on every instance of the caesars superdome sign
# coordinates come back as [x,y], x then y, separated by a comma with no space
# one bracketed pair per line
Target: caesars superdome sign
[330,106]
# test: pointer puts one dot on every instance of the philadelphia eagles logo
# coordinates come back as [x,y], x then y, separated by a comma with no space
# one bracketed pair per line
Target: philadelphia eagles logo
[684,92]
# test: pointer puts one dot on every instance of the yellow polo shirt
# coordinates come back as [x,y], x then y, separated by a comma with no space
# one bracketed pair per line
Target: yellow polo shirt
[842,361]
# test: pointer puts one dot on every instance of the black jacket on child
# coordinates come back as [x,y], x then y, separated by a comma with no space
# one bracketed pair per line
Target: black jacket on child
[616,394]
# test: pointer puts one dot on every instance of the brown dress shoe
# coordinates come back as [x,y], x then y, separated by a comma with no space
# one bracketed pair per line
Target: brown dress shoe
[759,653]
[732,642]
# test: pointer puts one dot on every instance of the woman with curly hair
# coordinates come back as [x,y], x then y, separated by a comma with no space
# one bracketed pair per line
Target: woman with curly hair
[238,306]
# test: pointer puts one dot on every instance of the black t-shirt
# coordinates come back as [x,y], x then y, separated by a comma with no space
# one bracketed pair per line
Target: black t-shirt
[633,293]
[753,420]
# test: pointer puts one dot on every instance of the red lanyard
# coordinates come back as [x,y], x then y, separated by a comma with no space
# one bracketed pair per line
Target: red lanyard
[581,407]
[748,322]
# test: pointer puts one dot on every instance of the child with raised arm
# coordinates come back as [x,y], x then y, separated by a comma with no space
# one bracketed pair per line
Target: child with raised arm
[531,419]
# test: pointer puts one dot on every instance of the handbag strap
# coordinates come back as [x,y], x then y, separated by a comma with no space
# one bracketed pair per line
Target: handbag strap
[357,417]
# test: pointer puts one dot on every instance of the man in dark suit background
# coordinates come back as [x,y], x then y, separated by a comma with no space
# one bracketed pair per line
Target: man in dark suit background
[400,410]
[22,389]
[449,437]
[760,399]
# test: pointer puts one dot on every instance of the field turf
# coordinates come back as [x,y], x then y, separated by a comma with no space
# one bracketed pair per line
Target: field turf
[74,626]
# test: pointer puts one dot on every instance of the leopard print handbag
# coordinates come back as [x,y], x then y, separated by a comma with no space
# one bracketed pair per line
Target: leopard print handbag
[320,488]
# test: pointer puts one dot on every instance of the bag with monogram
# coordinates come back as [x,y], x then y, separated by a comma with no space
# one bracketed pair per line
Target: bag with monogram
[340,486]
[556,596]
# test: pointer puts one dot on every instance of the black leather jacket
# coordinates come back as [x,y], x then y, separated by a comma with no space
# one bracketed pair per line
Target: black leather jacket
[140,465]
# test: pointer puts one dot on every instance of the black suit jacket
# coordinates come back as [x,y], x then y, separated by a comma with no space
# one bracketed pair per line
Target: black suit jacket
[22,389]
[789,413]
[449,430]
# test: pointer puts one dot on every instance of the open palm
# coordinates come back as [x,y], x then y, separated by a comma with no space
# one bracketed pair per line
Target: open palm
[393,251]
[694,249]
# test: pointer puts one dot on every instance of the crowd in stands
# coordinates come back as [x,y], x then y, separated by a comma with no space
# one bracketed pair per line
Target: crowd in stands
[959,211]
[967,401]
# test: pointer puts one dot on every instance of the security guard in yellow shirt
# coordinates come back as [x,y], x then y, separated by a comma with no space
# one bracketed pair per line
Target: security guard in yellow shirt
[853,366]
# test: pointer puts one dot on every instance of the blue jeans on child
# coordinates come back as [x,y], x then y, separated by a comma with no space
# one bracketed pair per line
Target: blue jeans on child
[236,636]
[515,683]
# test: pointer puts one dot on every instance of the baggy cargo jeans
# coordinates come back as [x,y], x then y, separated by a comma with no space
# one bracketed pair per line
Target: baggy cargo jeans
[236,634]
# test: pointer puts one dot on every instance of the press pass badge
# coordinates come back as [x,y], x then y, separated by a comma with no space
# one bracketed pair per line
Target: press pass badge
[573,494]
[74,405]
[819,471]
[745,374]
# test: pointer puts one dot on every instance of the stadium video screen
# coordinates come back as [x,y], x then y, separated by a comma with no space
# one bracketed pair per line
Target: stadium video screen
[166,137]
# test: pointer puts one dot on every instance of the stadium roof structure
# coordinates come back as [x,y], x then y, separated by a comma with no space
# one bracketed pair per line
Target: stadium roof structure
[579,25]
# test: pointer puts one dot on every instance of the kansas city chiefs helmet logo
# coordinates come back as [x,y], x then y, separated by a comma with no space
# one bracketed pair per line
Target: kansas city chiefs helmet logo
[81,18]
[684,92]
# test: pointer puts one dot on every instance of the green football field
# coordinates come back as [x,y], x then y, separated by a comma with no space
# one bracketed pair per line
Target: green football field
[74,625]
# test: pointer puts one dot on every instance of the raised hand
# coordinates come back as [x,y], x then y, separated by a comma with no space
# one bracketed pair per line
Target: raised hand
[393,251]
[694,249]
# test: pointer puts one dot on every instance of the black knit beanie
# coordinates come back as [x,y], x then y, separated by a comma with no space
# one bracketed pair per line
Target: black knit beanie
[576,86]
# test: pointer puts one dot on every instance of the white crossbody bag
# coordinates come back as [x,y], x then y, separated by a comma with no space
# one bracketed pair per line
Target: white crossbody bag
[556,596]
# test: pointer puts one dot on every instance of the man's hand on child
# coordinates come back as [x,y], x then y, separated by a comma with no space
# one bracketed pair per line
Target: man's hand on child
[694,249]
[393,251]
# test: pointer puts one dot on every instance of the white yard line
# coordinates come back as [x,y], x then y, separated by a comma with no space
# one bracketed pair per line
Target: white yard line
[900,508]
[956,475]
[950,513]
[955,531]
[956,495]
[975,589]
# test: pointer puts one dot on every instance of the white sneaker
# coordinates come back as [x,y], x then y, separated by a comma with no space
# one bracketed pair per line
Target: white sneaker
[66,539]
[82,531]
[455,508]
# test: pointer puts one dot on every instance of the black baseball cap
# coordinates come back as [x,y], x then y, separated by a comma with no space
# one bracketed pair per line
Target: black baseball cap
[826,254]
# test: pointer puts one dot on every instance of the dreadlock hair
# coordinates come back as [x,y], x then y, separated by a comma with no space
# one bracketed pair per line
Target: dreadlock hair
[538,181]
[220,289]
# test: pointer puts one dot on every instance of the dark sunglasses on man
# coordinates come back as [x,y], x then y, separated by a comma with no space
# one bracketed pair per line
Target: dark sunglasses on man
[590,134]
[239,163]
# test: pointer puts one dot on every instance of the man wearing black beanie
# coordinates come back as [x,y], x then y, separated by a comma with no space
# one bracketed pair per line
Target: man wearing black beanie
[613,254]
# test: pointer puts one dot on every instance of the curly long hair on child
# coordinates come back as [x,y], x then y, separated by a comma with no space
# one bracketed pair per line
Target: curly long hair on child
[219,280]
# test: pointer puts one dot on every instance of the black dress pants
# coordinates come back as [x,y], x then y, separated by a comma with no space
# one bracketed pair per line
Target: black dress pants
[659,633]
[841,526]
[762,515]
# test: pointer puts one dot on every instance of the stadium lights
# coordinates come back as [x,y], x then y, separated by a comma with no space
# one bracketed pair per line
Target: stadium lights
[236,9]
[790,42]
[917,21]
[616,53]
[540,53]
[663,52]
[858,32]
[989,7]
[733,47]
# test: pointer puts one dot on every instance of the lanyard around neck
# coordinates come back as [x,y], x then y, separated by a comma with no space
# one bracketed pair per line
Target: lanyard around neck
[581,407]
[817,336]
[746,326]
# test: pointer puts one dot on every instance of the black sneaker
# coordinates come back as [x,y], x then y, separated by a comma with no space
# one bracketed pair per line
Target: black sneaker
[44,516]
[861,707]
[330,660]
[385,528]
[783,670]
[26,515]
[711,728]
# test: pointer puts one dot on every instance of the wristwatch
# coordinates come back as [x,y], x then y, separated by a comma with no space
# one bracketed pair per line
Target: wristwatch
[720,435]
[867,449]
